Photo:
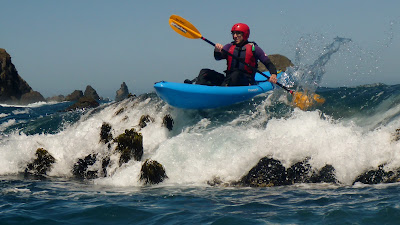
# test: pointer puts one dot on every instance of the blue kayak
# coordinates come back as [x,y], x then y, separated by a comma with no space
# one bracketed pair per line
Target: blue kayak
[194,96]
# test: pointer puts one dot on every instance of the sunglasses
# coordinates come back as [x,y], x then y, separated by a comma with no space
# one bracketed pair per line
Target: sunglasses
[237,32]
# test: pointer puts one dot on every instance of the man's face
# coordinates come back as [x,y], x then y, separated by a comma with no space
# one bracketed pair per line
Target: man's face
[237,37]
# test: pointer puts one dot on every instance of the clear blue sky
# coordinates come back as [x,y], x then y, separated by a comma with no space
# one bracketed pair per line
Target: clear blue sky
[61,46]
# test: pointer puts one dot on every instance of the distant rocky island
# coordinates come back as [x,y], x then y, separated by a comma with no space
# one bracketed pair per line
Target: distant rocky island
[15,90]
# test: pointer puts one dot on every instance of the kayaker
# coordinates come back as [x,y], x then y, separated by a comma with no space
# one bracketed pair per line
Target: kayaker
[237,74]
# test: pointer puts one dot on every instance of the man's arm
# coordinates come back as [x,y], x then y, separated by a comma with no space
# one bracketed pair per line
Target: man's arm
[259,53]
[219,53]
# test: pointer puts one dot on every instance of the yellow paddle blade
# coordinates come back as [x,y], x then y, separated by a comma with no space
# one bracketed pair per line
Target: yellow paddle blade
[318,99]
[304,100]
[183,27]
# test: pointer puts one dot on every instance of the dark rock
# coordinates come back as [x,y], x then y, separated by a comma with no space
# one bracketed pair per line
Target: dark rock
[281,62]
[86,169]
[377,176]
[91,93]
[12,86]
[31,97]
[57,98]
[397,135]
[74,96]
[326,174]
[299,172]
[144,120]
[104,164]
[121,110]
[268,172]
[122,93]
[302,172]
[168,122]
[83,103]
[152,172]
[130,95]
[129,144]
[41,164]
[80,169]
[105,133]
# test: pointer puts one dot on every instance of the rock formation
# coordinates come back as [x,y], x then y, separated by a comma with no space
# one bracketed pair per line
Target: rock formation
[130,145]
[41,164]
[105,133]
[152,172]
[270,172]
[267,173]
[31,97]
[144,120]
[378,176]
[57,98]
[12,86]
[281,62]
[122,93]
[91,93]
[168,122]
[74,96]
[397,135]
[83,103]
[80,168]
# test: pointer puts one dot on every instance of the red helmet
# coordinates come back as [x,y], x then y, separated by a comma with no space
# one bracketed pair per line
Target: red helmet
[242,28]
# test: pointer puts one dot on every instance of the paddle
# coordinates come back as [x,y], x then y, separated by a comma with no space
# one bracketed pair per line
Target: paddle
[186,29]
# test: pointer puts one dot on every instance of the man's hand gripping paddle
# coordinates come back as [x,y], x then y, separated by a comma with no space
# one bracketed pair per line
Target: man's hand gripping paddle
[186,29]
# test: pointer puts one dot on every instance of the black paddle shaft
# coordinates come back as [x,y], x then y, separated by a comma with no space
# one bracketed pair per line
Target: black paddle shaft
[242,61]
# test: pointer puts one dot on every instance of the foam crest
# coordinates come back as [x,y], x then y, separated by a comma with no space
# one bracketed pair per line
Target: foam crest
[199,149]
[6,124]
[228,152]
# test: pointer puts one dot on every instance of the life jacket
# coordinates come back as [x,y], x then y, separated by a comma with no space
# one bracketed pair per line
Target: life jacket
[246,52]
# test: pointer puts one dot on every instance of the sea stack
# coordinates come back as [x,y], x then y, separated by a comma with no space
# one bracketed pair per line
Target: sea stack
[122,93]
[12,86]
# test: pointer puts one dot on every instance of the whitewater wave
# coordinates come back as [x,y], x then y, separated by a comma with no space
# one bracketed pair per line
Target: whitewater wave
[223,143]
[31,105]
[7,124]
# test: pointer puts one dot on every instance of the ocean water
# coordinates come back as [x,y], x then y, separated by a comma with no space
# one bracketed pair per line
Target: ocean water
[354,131]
